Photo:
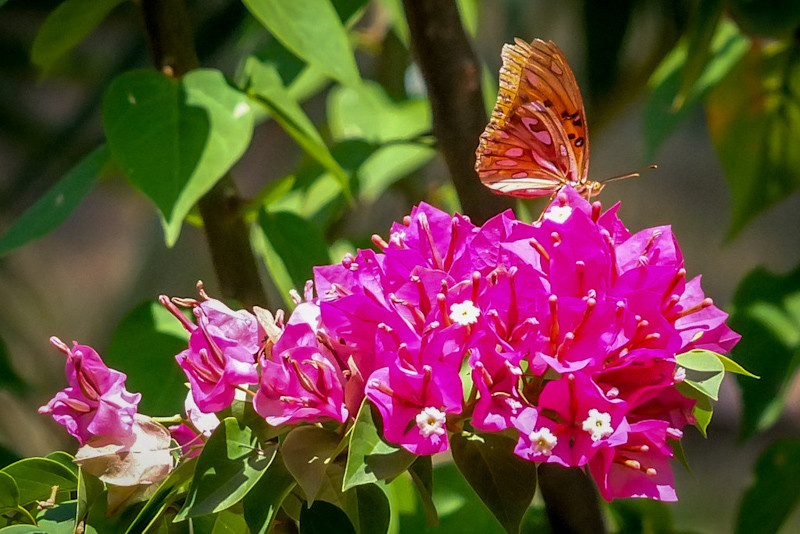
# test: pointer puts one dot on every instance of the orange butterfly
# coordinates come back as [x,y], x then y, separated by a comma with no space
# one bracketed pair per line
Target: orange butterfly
[536,141]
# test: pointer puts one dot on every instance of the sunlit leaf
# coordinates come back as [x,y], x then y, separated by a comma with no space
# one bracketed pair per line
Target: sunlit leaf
[700,33]
[59,519]
[775,493]
[766,311]
[150,325]
[174,139]
[224,522]
[661,117]
[703,409]
[263,83]
[754,122]
[504,481]
[312,30]
[368,113]
[703,361]
[57,204]
[229,466]
[65,27]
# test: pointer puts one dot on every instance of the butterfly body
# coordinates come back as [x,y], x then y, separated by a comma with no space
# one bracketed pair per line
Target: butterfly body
[536,142]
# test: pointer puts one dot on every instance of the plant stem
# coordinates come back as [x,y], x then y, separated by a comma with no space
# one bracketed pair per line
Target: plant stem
[172,48]
[453,77]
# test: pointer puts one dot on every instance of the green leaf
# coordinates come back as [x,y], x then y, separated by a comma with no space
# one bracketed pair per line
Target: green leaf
[298,246]
[23,529]
[59,519]
[174,139]
[754,122]
[225,522]
[421,472]
[505,482]
[311,29]
[263,83]
[702,27]
[163,497]
[703,410]
[57,204]
[703,361]
[766,311]
[324,518]
[307,452]
[144,345]
[90,488]
[229,466]
[67,26]
[65,459]
[661,117]
[369,458]
[9,494]
[374,513]
[262,502]
[35,478]
[733,367]
[368,113]
[775,492]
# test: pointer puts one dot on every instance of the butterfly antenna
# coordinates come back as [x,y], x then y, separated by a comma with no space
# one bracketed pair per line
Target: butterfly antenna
[635,174]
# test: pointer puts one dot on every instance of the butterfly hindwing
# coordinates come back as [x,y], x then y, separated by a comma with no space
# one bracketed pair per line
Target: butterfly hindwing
[536,141]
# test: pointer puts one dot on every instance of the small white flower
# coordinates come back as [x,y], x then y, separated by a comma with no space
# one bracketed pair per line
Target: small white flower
[543,441]
[430,421]
[680,374]
[464,313]
[598,424]
[558,214]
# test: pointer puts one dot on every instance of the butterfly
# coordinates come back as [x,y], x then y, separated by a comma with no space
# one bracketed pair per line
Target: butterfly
[536,141]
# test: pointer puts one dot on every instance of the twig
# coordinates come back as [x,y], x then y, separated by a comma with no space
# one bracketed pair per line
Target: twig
[170,38]
[453,77]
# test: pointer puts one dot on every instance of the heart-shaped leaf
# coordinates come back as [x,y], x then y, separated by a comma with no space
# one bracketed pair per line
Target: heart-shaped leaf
[307,452]
[174,139]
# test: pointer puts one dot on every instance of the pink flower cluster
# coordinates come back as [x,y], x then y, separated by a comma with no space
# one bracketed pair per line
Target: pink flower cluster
[563,332]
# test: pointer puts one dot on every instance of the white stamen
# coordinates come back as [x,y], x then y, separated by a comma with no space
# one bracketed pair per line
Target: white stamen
[431,421]
[558,214]
[464,313]
[598,424]
[543,441]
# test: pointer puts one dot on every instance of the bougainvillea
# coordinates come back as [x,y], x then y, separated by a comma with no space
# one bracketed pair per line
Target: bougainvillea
[563,332]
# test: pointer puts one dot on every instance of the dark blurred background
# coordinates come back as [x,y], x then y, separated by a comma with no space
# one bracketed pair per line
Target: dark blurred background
[79,281]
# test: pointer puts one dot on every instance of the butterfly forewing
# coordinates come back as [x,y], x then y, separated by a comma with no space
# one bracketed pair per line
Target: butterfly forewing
[536,141]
